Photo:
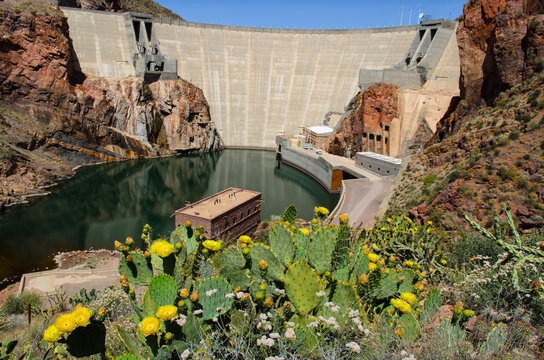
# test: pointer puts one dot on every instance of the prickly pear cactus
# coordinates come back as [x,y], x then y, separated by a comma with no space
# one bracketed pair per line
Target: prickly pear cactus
[406,285]
[387,286]
[410,327]
[213,297]
[230,263]
[321,248]
[149,305]
[302,284]
[282,243]
[433,301]
[138,271]
[346,298]
[495,340]
[290,214]
[341,251]
[260,252]
[87,340]
[163,289]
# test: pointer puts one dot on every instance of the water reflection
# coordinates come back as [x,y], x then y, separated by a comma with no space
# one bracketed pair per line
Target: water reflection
[111,201]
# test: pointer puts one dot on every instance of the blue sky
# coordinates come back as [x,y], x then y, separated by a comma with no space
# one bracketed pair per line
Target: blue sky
[313,14]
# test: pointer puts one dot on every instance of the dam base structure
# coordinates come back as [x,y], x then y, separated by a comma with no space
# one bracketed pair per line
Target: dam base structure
[263,82]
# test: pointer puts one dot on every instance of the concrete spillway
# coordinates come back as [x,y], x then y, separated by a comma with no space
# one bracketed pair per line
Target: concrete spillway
[259,82]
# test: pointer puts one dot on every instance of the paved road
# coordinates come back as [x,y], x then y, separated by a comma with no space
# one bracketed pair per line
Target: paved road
[361,200]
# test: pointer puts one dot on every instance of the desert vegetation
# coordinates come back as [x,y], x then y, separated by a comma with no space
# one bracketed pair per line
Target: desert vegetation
[399,290]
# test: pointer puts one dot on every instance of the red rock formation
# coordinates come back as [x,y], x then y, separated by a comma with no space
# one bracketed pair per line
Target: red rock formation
[366,128]
[500,43]
[46,108]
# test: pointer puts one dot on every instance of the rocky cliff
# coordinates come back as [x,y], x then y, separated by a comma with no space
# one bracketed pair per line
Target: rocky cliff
[370,113]
[488,149]
[138,6]
[52,118]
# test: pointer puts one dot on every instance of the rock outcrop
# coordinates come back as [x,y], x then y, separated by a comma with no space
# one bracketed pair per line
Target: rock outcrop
[500,44]
[366,127]
[488,149]
[48,109]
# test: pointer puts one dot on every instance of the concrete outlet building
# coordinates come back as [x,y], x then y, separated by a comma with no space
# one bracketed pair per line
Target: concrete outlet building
[378,163]
[225,215]
[317,135]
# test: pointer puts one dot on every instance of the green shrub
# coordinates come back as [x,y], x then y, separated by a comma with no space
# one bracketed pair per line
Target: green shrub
[507,174]
[18,304]
[514,135]
[502,103]
[429,179]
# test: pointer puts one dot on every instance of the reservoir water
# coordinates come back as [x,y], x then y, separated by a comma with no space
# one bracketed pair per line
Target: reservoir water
[109,202]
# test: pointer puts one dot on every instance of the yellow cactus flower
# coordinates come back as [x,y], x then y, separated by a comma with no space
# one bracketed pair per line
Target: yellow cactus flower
[304,232]
[375,247]
[401,305]
[373,257]
[82,316]
[167,312]
[162,248]
[443,261]
[245,239]
[52,334]
[323,210]
[372,266]
[389,220]
[212,245]
[409,298]
[343,218]
[409,263]
[150,325]
[66,323]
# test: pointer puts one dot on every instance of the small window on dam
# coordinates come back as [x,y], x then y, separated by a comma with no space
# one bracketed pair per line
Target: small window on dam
[148,27]
[136,25]
[379,138]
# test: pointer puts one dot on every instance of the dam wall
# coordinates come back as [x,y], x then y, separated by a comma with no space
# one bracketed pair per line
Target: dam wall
[259,82]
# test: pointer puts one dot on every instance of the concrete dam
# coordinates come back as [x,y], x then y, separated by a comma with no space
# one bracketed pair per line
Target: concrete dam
[264,82]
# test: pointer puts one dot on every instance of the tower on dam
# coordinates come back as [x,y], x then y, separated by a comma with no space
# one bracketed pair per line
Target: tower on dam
[264,82]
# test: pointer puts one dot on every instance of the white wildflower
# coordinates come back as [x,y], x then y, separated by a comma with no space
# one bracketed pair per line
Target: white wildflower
[230,295]
[290,333]
[313,324]
[263,316]
[265,341]
[184,355]
[335,308]
[218,309]
[239,295]
[198,312]
[274,336]
[290,323]
[331,321]
[353,313]
[211,292]
[214,319]
[353,346]
[181,321]
[320,293]
[329,304]
[279,291]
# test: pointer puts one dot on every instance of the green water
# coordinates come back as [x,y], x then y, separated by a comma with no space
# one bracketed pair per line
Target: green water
[112,201]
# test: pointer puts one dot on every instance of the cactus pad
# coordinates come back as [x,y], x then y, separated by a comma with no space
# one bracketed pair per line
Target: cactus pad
[387,285]
[432,304]
[302,284]
[282,243]
[212,297]
[345,296]
[410,327]
[290,214]
[138,271]
[321,248]
[341,251]
[260,252]
[163,289]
